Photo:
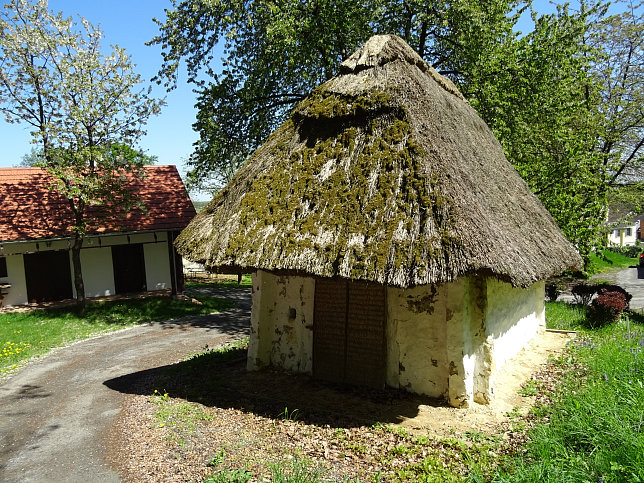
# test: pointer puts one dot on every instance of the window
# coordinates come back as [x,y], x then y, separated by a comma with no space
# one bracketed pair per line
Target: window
[629,231]
[3,267]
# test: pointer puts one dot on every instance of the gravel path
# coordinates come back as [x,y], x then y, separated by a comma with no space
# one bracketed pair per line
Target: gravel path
[56,413]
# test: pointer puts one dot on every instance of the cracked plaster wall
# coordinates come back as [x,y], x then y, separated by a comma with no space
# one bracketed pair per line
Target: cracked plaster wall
[446,340]
[281,322]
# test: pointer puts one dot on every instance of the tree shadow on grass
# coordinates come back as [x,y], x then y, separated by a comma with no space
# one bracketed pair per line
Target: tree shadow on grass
[159,309]
[220,379]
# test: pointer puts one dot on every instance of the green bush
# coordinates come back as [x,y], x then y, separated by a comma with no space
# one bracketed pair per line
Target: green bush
[553,290]
[630,251]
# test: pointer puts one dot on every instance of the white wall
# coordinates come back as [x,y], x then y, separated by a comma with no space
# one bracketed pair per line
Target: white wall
[17,294]
[513,317]
[157,266]
[452,339]
[98,273]
[416,339]
[282,322]
[447,340]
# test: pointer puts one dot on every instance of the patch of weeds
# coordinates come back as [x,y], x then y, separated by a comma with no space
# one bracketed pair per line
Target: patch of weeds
[239,475]
[515,413]
[400,450]
[183,417]
[287,415]
[295,470]
[480,437]
[422,440]
[530,388]
[401,432]
[360,448]
[431,469]
[540,411]
[218,459]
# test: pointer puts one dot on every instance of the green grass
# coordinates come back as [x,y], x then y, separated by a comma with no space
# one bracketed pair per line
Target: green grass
[565,316]
[245,282]
[24,335]
[595,427]
[608,261]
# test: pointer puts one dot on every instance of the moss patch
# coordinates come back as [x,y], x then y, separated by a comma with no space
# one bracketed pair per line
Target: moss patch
[355,201]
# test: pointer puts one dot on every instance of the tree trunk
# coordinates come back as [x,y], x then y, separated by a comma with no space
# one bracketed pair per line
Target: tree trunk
[78,273]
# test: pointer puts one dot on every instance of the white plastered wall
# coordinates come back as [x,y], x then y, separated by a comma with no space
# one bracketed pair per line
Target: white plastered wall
[451,340]
[416,339]
[17,294]
[281,322]
[513,317]
[98,274]
[157,266]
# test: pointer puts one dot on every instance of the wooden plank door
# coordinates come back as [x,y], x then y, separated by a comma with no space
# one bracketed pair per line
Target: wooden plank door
[129,268]
[48,276]
[349,332]
[366,349]
[329,329]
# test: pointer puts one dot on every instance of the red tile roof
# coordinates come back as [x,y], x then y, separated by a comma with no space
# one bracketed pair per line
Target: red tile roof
[29,210]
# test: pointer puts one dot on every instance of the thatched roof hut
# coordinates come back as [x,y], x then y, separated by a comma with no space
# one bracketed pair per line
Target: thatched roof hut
[384,173]
[381,210]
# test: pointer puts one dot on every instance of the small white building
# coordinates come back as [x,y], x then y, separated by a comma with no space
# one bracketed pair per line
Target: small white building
[119,255]
[624,233]
[392,243]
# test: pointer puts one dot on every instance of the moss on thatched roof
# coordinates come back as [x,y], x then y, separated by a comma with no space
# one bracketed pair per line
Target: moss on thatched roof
[384,173]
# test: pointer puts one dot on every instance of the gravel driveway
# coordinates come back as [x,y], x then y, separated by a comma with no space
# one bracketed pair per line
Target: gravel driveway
[55,414]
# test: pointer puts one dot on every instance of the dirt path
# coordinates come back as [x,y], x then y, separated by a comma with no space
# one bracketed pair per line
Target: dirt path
[56,413]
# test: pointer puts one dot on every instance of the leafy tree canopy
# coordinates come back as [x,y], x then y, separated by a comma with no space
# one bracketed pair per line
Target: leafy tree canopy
[546,94]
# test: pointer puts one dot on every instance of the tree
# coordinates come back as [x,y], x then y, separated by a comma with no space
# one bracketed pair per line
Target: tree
[620,74]
[86,109]
[536,91]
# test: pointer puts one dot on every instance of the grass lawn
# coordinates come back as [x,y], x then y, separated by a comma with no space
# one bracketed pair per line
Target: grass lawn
[609,261]
[594,429]
[24,335]
[245,282]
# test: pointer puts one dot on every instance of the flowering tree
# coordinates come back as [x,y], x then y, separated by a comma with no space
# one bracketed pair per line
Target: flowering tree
[86,108]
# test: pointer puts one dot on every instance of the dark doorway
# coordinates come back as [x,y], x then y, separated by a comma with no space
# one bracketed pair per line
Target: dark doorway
[129,268]
[349,332]
[48,276]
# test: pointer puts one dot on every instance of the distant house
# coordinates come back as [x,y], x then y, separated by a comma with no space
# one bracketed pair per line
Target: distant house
[121,254]
[624,229]
[392,243]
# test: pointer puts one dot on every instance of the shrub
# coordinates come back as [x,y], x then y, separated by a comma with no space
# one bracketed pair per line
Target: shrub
[584,292]
[607,287]
[606,308]
[552,291]
[630,251]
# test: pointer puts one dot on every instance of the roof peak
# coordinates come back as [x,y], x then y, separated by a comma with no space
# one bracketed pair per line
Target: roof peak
[380,50]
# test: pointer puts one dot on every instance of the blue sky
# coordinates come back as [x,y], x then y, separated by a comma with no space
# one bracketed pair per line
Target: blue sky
[129,24]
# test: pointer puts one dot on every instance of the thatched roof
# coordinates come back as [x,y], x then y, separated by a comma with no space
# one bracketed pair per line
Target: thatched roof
[384,173]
